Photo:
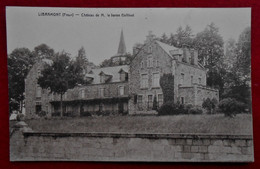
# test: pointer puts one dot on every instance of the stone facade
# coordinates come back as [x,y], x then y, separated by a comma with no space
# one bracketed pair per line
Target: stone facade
[36,99]
[128,88]
[35,146]
[154,57]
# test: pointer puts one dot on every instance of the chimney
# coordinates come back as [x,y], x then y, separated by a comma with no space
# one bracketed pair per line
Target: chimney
[185,53]
[149,37]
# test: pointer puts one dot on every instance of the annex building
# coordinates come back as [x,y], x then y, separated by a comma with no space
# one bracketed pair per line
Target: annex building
[125,89]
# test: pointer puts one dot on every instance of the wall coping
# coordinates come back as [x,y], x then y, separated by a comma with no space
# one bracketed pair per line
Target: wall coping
[139,135]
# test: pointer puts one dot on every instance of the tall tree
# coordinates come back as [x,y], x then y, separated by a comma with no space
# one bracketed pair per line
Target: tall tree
[62,75]
[210,45]
[164,38]
[243,52]
[230,55]
[43,51]
[19,63]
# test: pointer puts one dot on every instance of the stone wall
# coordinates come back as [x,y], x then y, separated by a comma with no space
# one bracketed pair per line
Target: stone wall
[130,147]
[161,63]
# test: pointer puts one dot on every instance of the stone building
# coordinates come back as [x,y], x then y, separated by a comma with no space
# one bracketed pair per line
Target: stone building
[152,60]
[126,88]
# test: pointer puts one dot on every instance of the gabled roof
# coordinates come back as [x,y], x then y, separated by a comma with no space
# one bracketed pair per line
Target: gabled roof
[113,72]
[170,50]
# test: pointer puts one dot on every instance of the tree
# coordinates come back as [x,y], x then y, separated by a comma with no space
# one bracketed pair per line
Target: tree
[210,45]
[167,85]
[243,52]
[82,57]
[182,37]
[43,51]
[164,38]
[230,55]
[62,75]
[19,63]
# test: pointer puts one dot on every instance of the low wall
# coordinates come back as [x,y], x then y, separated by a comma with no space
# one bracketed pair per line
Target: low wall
[130,147]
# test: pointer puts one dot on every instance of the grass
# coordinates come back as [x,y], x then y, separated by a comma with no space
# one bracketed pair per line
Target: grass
[213,124]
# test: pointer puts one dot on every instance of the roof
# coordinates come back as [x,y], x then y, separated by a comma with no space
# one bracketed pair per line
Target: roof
[170,50]
[113,71]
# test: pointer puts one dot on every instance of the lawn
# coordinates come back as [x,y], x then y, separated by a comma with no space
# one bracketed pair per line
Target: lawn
[214,124]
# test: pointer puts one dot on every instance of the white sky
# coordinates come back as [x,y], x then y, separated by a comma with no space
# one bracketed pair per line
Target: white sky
[100,35]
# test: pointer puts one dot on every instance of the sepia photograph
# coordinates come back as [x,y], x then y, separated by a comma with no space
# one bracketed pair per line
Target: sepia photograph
[129,84]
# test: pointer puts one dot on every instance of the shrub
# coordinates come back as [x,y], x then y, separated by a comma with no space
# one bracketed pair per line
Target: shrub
[55,114]
[69,114]
[210,105]
[230,107]
[42,113]
[195,110]
[20,117]
[85,113]
[170,108]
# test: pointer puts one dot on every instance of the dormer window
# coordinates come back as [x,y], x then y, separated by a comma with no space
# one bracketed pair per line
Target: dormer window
[123,75]
[104,77]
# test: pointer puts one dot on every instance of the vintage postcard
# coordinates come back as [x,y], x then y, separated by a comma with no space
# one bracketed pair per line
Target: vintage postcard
[130,84]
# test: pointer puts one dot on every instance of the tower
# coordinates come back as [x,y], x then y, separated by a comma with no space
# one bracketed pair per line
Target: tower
[121,48]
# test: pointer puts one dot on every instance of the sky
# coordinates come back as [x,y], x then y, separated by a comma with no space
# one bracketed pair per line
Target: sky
[99,35]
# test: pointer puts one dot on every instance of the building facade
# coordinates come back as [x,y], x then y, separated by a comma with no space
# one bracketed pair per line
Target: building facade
[126,89]
[152,60]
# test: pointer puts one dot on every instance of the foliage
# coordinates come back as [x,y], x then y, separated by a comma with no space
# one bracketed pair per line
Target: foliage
[210,45]
[62,75]
[43,51]
[167,85]
[110,62]
[42,113]
[155,105]
[19,63]
[170,108]
[230,107]
[210,105]
[20,117]
[81,58]
[230,56]
[195,110]
[183,36]
[243,52]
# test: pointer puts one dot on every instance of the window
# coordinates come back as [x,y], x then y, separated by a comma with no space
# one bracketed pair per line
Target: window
[82,93]
[123,76]
[156,80]
[150,62]
[65,95]
[121,90]
[160,100]
[101,92]
[150,102]
[140,102]
[38,92]
[191,80]
[182,79]
[39,72]
[157,63]
[182,100]
[199,80]
[144,81]
[102,79]
[150,49]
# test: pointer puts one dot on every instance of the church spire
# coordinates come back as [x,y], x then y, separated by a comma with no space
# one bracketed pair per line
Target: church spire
[121,48]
